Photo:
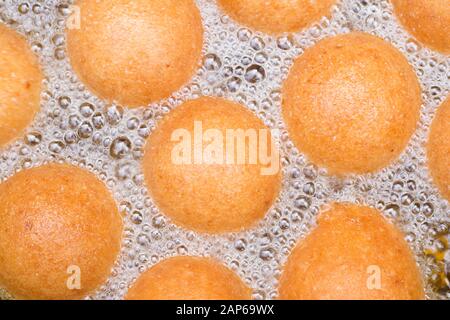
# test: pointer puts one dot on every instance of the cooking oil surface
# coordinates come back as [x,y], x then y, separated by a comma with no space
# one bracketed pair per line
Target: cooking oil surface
[249,67]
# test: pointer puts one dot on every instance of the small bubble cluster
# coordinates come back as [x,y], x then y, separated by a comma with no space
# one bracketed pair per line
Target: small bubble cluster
[248,67]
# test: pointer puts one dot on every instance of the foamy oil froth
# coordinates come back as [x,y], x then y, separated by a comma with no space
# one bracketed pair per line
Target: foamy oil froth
[248,67]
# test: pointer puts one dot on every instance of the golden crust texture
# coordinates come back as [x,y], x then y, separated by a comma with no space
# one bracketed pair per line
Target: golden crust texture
[136,52]
[58,225]
[189,278]
[20,85]
[277,16]
[426,20]
[438,149]
[351,103]
[205,197]
[352,254]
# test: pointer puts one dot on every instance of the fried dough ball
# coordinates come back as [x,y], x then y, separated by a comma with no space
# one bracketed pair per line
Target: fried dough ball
[136,52]
[439,149]
[352,254]
[277,16]
[213,195]
[60,233]
[427,20]
[20,85]
[189,278]
[351,103]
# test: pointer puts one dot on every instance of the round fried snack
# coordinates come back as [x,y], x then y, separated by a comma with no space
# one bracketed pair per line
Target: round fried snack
[200,176]
[20,85]
[136,52]
[351,103]
[189,278]
[352,254]
[60,233]
[427,20]
[438,149]
[277,16]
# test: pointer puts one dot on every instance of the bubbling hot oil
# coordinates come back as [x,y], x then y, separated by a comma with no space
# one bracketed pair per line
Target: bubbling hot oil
[248,67]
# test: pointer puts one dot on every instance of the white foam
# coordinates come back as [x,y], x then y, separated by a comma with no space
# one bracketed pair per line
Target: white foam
[248,67]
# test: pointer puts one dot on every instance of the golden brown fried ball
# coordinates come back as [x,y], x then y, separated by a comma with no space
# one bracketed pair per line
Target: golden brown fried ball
[439,149]
[353,254]
[427,20]
[207,196]
[20,84]
[189,278]
[351,103]
[136,52]
[57,222]
[277,16]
